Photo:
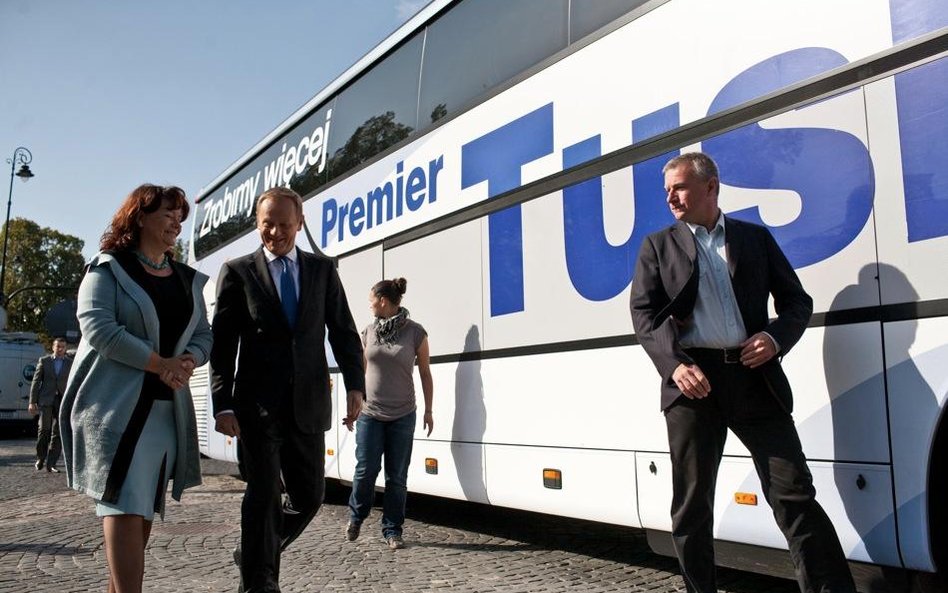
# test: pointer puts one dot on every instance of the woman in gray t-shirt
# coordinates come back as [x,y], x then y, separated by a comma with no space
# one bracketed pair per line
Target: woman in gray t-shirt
[386,426]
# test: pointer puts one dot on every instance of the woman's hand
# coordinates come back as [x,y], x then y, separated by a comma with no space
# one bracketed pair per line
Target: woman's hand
[176,372]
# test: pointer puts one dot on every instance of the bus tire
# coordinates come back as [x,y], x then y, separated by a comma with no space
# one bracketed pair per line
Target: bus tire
[938,510]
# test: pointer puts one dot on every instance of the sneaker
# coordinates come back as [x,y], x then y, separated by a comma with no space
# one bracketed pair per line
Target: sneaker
[352,531]
[395,542]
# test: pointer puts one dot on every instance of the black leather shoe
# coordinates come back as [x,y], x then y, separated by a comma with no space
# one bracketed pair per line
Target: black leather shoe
[52,469]
[240,585]
[38,465]
[352,531]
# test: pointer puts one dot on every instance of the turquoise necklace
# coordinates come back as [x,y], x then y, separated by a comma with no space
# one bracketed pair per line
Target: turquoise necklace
[162,266]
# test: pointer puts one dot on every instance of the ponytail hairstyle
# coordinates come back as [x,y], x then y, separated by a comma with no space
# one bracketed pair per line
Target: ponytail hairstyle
[391,290]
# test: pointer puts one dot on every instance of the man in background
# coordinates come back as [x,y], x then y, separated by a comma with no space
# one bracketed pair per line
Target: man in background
[46,392]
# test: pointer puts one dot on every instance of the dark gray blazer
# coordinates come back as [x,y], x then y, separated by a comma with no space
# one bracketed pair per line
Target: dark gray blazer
[665,287]
[278,363]
[47,387]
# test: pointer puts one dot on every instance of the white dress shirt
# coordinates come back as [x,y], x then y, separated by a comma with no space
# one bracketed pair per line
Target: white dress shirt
[276,270]
[717,321]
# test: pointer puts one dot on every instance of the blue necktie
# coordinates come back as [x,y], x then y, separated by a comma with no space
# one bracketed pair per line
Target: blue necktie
[288,292]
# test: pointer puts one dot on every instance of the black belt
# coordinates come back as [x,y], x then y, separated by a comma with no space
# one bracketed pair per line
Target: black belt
[725,355]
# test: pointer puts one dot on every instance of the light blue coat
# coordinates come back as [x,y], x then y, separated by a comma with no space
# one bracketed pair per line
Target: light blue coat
[120,330]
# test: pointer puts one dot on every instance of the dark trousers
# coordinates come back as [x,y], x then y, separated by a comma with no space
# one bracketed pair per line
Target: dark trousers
[271,446]
[48,445]
[697,429]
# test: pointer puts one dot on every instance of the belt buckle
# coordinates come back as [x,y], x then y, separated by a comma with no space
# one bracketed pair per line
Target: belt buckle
[732,355]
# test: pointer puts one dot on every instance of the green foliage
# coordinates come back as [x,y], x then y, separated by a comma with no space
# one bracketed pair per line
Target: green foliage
[369,139]
[181,250]
[39,256]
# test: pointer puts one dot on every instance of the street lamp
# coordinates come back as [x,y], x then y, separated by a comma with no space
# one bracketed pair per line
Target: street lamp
[23,157]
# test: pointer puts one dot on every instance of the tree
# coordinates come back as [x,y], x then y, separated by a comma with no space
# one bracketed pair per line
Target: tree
[372,137]
[181,247]
[39,256]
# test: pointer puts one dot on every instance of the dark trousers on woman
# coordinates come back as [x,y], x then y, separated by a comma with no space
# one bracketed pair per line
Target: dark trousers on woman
[272,446]
[376,439]
[48,445]
[697,429]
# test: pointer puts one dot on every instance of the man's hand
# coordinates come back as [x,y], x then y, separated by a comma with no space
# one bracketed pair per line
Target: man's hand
[354,400]
[227,424]
[691,380]
[428,422]
[33,409]
[757,349]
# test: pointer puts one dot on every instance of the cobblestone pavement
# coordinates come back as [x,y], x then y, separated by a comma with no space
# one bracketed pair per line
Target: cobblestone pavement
[51,541]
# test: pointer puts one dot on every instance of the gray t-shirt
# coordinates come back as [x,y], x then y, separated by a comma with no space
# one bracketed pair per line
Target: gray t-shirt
[389,387]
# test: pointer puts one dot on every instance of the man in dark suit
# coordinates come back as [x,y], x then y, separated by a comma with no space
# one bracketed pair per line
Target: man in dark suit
[699,308]
[274,307]
[46,392]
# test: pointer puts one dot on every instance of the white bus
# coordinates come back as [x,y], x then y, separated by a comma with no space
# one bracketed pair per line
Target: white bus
[505,158]
[19,353]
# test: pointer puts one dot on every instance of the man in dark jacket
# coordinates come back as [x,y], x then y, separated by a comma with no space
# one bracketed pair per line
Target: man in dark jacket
[274,307]
[699,308]
[46,393]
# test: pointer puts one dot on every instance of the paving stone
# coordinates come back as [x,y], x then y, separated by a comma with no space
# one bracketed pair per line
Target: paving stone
[51,541]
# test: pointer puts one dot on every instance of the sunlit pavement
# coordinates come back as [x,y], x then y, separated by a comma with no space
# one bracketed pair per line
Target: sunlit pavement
[51,541]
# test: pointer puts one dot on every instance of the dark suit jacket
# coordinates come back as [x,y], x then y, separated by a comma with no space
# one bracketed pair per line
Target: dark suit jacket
[665,287]
[47,387]
[279,364]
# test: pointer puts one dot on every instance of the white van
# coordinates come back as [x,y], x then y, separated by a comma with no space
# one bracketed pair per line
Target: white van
[19,353]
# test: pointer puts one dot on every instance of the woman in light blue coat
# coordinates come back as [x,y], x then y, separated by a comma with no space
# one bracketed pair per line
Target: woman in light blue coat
[127,418]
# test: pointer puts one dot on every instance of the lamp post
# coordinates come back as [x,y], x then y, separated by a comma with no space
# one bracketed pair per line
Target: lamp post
[23,157]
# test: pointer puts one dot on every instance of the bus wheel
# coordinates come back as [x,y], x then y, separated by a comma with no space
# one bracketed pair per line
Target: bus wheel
[938,508]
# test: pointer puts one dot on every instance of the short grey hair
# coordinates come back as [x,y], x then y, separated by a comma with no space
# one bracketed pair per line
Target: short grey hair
[701,164]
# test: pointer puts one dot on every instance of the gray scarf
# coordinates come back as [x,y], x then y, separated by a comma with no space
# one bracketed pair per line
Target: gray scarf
[386,330]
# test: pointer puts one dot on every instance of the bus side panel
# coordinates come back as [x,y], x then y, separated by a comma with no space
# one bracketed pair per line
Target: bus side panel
[838,394]
[913,252]
[460,419]
[861,492]
[358,272]
[917,380]
[444,287]
[909,261]
[596,485]
[444,296]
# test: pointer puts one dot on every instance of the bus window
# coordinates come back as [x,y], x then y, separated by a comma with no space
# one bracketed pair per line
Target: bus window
[585,16]
[478,45]
[377,111]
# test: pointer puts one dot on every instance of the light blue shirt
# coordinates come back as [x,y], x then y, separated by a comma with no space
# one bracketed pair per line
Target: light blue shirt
[276,270]
[717,321]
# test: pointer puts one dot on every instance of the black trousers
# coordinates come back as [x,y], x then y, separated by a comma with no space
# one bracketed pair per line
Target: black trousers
[271,446]
[48,445]
[697,429]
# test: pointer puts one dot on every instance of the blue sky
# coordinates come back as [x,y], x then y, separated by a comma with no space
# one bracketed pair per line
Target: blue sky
[108,95]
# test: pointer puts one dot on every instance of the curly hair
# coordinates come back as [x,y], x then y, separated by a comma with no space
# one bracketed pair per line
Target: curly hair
[124,232]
